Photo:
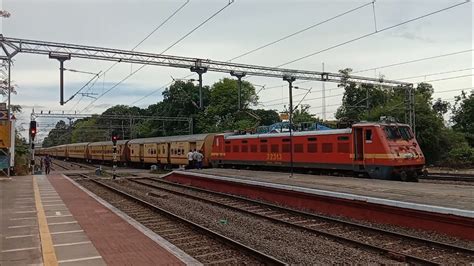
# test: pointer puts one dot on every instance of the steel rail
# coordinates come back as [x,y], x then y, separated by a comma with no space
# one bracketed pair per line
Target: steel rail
[448,177]
[312,215]
[13,46]
[267,259]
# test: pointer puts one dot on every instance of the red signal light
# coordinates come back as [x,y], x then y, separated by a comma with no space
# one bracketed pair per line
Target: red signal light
[33,129]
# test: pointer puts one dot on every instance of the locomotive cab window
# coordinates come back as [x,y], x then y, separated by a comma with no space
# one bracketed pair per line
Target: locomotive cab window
[368,136]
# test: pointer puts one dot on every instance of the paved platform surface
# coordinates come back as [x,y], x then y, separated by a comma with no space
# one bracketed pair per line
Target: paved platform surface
[37,226]
[51,220]
[443,195]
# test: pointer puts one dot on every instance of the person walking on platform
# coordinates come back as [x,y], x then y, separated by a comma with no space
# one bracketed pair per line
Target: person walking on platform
[47,164]
[198,157]
[190,159]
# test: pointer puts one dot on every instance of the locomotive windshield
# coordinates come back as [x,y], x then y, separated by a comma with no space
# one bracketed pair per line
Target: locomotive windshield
[396,132]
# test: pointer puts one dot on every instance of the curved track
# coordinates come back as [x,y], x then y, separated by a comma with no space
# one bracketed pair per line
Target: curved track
[404,247]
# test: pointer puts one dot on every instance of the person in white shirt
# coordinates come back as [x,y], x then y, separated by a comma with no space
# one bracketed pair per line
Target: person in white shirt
[190,159]
[198,157]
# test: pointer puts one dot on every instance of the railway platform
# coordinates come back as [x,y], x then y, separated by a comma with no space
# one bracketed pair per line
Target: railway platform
[50,220]
[456,196]
[441,208]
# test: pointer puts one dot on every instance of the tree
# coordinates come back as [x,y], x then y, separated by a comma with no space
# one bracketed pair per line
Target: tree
[223,113]
[60,134]
[302,115]
[463,116]
[441,107]
[358,100]
[88,130]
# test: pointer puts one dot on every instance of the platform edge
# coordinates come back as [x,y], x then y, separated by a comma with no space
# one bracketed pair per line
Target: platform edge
[174,250]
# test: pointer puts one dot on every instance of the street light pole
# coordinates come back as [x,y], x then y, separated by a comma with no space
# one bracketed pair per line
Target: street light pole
[290,80]
[239,76]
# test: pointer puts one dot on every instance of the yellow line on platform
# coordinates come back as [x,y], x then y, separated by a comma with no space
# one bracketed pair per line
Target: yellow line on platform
[49,255]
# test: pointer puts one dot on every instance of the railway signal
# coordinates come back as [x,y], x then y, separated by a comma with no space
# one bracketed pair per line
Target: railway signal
[33,130]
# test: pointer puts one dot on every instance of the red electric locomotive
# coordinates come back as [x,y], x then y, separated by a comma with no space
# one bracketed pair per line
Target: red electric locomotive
[378,150]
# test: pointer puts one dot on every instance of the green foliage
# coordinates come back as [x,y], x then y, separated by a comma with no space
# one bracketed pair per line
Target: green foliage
[460,157]
[60,134]
[86,130]
[223,113]
[356,98]
[302,115]
[463,116]
[21,155]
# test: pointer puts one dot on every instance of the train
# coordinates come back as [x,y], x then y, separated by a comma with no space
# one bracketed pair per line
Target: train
[379,150]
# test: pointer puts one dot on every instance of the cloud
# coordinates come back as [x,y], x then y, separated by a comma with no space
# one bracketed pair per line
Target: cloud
[413,37]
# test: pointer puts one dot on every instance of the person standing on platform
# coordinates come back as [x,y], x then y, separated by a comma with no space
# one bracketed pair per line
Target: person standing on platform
[47,164]
[198,157]
[190,159]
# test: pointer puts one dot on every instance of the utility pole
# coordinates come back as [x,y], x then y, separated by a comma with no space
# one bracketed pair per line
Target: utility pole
[199,70]
[290,80]
[239,76]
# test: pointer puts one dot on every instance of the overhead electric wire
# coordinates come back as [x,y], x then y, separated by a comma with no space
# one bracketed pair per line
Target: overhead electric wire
[80,71]
[77,92]
[151,33]
[299,31]
[435,74]
[165,50]
[267,45]
[413,61]
[448,78]
[80,99]
[373,33]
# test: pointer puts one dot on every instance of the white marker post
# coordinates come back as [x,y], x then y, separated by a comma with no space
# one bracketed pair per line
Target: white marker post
[114,141]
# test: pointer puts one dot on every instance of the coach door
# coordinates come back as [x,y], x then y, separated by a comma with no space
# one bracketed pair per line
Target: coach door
[192,146]
[358,144]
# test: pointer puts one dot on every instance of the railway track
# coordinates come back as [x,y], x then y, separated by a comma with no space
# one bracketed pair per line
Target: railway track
[207,246]
[449,177]
[394,245]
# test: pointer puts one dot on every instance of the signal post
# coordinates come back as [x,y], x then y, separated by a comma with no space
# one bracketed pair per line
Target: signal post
[114,160]
[32,131]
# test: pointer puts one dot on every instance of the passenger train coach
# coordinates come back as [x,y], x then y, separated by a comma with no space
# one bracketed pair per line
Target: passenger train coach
[376,150]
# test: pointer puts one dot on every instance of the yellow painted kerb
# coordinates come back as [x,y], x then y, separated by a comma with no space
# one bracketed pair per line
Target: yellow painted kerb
[49,256]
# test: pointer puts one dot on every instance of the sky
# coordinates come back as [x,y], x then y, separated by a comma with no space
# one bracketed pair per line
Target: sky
[244,25]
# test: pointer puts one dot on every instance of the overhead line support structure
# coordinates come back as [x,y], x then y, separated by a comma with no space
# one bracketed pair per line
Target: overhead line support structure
[108,54]
[239,76]
[13,46]
[290,80]
[199,69]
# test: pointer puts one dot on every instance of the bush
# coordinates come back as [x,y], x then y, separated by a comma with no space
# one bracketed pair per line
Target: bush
[460,157]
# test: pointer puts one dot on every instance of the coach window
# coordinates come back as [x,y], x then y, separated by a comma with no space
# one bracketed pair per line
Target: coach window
[245,148]
[298,148]
[227,148]
[327,147]
[235,148]
[253,148]
[263,148]
[312,148]
[285,148]
[275,148]
[368,135]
